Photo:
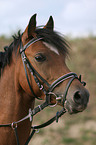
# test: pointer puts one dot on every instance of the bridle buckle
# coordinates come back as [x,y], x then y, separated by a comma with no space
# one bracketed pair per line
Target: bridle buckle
[14,125]
[30,115]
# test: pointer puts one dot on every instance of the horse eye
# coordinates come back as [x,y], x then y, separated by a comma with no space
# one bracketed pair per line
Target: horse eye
[40,57]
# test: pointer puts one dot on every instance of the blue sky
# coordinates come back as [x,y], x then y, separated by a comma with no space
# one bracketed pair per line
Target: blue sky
[75,17]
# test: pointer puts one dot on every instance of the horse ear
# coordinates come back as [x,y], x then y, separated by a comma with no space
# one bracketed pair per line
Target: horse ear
[32,25]
[30,29]
[50,24]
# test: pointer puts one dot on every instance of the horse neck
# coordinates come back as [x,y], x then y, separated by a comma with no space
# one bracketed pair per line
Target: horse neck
[13,101]
[14,106]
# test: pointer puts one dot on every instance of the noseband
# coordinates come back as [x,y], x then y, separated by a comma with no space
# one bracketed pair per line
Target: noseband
[50,87]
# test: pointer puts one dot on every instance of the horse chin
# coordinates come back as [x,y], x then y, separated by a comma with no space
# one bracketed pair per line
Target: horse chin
[71,109]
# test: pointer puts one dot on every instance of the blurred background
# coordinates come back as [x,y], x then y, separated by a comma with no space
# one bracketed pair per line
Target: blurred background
[76,20]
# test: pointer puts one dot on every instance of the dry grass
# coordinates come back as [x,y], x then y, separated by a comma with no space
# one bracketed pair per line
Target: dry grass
[72,129]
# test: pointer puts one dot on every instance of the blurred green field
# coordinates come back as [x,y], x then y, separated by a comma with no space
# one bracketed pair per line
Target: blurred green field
[72,129]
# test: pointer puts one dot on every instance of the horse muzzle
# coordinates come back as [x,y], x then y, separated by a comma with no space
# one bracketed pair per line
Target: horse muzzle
[77,102]
[75,96]
[74,102]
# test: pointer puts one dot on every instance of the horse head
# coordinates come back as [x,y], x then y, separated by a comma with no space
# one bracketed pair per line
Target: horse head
[43,52]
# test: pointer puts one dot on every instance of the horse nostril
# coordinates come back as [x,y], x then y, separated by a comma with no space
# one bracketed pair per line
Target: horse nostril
[77,97]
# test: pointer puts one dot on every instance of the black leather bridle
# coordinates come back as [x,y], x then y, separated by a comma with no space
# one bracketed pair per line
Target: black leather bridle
[36,75]
[50,87]
[71,76]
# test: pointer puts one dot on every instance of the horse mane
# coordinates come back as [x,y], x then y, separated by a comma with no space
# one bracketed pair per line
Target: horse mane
[48,36]
[6,56]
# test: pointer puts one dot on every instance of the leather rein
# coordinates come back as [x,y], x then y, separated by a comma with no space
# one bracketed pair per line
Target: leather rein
[71,76]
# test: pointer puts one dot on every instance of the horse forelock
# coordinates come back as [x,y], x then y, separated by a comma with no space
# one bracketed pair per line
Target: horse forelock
[53,38]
